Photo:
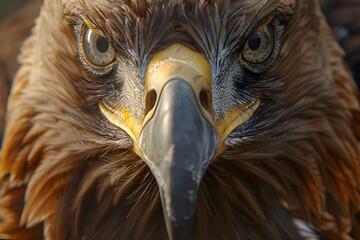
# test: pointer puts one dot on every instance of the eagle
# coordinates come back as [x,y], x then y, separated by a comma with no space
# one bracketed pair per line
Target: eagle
[181,119]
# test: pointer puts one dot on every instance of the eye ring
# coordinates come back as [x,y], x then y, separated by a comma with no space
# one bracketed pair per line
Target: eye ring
[260,46]
[97,51]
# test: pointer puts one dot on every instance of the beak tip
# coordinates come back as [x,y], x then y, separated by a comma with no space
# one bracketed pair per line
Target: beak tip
[178,208]
[179,231]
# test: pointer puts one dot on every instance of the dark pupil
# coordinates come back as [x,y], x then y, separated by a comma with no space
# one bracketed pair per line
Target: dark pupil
[102,44]
[254,42]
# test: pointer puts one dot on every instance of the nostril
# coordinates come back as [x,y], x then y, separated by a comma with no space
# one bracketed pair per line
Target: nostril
[150,101]
[205,100]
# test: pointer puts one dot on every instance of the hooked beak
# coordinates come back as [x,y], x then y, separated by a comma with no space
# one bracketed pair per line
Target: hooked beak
[178,137]
[178,144]
[177,141]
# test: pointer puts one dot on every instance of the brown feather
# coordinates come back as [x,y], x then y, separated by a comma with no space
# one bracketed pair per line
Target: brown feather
[66,170]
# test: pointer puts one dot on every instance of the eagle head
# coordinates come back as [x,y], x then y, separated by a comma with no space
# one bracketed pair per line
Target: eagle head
[180,119]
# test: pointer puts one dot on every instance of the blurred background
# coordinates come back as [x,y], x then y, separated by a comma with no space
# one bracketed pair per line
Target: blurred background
[9,6]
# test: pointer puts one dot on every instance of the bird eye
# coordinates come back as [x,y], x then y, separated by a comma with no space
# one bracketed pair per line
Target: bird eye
[97,49]
[259,47]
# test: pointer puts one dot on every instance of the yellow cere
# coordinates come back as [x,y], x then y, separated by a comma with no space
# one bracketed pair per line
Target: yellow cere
[178,61]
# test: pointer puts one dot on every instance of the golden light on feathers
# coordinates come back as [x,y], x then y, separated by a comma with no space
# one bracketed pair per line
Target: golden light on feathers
[259,139]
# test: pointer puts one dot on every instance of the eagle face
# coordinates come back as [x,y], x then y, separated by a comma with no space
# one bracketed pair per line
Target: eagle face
[180,120]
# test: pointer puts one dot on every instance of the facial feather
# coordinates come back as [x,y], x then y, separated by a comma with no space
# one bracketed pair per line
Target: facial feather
[296,157]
